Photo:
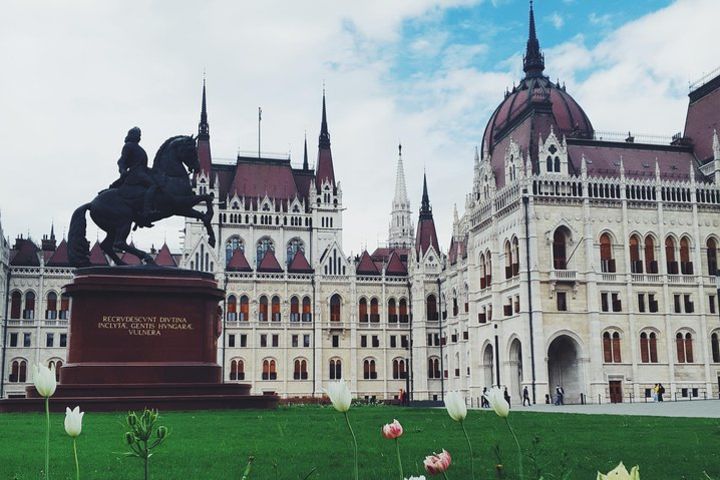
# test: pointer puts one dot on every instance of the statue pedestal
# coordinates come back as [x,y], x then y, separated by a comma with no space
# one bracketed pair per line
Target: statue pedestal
[143,336]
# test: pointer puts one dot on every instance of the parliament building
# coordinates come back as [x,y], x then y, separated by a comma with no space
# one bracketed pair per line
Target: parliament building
[581,259]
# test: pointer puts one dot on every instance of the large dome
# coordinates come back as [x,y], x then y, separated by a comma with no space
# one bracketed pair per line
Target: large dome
[537,94]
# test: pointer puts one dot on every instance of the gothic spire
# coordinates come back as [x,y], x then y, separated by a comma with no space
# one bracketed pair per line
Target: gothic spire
[324,141]
[426,235]
[425,208]
[401,197]
[305,157]
[401,224]
[203,126]
[534,60]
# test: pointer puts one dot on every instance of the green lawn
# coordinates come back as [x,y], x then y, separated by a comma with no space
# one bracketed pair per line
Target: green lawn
[289,442]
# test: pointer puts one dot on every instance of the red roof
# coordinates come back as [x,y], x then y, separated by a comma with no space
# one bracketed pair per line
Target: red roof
[97,256]
[366,265]
[204,157]
[325,170]
[60,257]
[300,264]
[395,266]
[269,263]
[603,160]
[164,258]
[26,253]
[426,236]
[238,262]
[703,118]
[256,178]
[130,259]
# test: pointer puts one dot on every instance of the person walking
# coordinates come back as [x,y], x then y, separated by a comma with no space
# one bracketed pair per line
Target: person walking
[559,395]
[507,396]
[483,399]
[655,389]
[661,391]
[526,397]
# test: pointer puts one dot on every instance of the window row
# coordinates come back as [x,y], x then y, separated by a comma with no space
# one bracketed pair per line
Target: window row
[14,339]
[19,370]
[24,306]
[300,369]
[239,310]
[397,311]
[612,347]
[262,246]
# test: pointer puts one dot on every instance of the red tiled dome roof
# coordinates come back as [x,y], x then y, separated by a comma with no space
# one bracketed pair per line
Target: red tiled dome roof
[537,93]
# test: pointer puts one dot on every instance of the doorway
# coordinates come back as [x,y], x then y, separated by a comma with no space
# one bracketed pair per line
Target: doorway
[616,395]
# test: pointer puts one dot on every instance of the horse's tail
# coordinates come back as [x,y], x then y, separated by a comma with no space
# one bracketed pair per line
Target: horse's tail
[78,246]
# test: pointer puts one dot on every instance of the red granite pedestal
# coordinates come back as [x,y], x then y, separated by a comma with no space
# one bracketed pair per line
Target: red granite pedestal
[143,337]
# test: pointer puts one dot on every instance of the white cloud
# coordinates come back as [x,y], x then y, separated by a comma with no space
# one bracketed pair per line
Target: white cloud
[557,20]
[601,20]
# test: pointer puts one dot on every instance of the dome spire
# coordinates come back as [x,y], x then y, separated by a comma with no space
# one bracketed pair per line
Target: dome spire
[534,60]
[203,126]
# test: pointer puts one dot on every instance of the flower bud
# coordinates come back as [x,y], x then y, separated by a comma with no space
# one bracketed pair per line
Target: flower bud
[132,419]
[161,432]
[129,438]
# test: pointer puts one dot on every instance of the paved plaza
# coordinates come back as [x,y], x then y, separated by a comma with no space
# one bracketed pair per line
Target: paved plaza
[699,408]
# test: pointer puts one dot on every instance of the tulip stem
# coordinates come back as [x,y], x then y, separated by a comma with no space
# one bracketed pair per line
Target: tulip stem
[77,465]
[357,472]
[397,449]
[445,475]
[520,456]
[472,466]
[47,438]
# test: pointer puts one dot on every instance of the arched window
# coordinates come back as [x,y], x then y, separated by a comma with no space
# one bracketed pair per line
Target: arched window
[431,307]
[488,269]
[374,310]
[715,347]
[15,304]
[508,260]
[560,240]
[57,365]
[549,163]
[433,367]
[392,311]
[237,369]
[295,245]
[263,310]
[64,307]
[18,371]
[335,302]
[51,306]
[648,347]
[404,317]
[369,372]
[684,346]
[335,369]
[515,256]
[399,371]
[607,262]
[275,303]
[686,266]
[651,265]
[306,310]
[483,271]
[672,265]
[712,256]
[244,308]
[29,310]
[556,162]
[294,309]
[263,245]
[611,347]
[635,262]
[233,243]
[455,302]
[269,371]
[300,371]
[363,310]
[231,308]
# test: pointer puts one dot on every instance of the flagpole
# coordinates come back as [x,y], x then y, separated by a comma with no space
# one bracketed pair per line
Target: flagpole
[259,120]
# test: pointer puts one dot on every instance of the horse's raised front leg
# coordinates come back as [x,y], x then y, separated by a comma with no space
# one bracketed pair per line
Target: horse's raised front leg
[207,222]
[107,247]
[121,245]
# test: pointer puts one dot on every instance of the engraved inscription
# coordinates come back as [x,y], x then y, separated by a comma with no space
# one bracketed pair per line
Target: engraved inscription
[142,325]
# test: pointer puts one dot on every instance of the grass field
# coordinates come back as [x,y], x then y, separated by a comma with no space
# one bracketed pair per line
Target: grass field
[289,442]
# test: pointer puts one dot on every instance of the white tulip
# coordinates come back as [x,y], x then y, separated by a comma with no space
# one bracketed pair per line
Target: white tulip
[455,405]
[340,396]
[73,421]
[44,380]
[498,403]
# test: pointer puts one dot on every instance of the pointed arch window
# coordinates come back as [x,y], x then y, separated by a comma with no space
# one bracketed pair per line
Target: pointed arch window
[363,310]
[648,347]
[18,371]
[64,313]
[300,371]
[715,347]
[636,265]
[51,306]
[263,310]
[29,310]
[433,368]
[244,308]
[516,257]
[369,371]
[231,308]
[686,265]
[306,310]
[488,269]
[233,243]
[651,265]
[264,245]
[508,260]
[483,271]
[295,245]
[237,370]
[611,347]
[560,240]
[712,256]
[392,311]
[335,311]
[275,305]
[399,371]
[672,264]
[431,308]
[294,309]
[374,310]
[335,369]
[269,369]
[404,317]
[683,343]
[607,262]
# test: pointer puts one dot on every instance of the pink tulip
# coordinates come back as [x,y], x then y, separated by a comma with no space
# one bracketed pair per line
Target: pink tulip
[437,463]
[392,430]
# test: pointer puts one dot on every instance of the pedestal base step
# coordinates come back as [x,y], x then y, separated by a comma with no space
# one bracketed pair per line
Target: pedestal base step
[164,397]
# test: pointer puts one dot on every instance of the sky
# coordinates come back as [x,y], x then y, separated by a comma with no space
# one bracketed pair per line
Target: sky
[78,74]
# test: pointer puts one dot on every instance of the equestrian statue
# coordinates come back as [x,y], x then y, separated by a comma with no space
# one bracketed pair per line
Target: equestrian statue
[141,195]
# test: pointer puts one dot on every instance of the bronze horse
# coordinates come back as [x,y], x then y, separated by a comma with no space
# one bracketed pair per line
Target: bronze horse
[115,209]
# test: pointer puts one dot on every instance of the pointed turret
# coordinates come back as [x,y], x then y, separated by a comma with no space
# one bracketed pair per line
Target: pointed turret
[401,227]
[534,60]
[203,137]
[426,235]
[305,156]
[325,171]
